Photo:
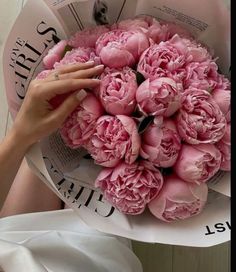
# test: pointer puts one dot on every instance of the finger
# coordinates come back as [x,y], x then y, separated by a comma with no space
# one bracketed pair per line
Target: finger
[95,71]
[50,89]
[69,68]
[68,106]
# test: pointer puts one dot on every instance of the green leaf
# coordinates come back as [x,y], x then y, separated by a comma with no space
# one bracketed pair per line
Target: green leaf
[88,157]
[145,123]
[140,78]
[166,171]
[67,49]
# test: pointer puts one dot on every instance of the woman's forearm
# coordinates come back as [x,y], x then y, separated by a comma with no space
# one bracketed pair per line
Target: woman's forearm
[12,151]
[37,118]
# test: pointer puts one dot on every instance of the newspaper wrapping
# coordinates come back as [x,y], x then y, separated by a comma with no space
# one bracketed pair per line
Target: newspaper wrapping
[66,171]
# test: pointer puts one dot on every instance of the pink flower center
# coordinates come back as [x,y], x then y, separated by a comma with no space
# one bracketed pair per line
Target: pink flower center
[181,210]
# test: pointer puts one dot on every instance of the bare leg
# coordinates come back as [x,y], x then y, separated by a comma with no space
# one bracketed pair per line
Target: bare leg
[29,194]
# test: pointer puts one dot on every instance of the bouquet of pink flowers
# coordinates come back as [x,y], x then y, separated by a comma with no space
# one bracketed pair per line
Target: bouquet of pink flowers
[159,124]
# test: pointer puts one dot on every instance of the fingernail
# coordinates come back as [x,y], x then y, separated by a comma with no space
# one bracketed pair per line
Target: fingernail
[101,66]
[81,95]
[96,80]
[90,62]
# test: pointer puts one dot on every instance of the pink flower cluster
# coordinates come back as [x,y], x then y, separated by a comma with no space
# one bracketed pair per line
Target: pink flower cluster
[159,123]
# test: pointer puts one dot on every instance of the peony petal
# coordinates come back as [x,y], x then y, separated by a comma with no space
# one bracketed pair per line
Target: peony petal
[116,58]
[157,207]
[177,190]
[102,175]
[200,192]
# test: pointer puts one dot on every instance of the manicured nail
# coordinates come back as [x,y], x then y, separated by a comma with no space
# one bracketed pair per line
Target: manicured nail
[90,62]
[81,95]
[101,66]
[96,80]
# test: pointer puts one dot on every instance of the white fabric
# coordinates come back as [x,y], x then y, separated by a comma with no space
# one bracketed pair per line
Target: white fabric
[59,241]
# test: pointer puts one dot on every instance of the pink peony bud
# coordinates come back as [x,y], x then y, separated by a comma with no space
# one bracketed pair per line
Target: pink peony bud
[130,188]
[80,125]
[163,31]
[153,29]
[121,48]
[146,24]
[117,91]
[224,145]
[54,55]
[172,29]
[80,55]
[115,138]
[159,97]
[161,144]
[156,32]
[200,119]
[178,200]
[198,163]
[132,25]
[222,96]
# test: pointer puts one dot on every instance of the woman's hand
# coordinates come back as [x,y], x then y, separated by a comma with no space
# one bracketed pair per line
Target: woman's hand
[36,118]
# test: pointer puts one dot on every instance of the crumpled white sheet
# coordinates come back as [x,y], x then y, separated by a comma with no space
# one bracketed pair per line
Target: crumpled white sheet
[60,242]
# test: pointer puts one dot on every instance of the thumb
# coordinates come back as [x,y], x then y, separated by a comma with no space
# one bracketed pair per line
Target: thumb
[69,105]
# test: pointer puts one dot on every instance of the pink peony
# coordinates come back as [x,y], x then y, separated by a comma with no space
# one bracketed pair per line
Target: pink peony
[162,31]
[160,60]
[115,138]
[159,97]
[132,25]
[198,163]
[43,74]
[155,30]
[223,83]
[222,96]
[117,91]
[194,51]
[161,144]
[54,54]
[178,200]
[200,119]
[81,55]
[80,125]
[88,37]
[121,48]
[130,187]
[172,29]
[167,59]
[201,75]
[224,145]
[146,24]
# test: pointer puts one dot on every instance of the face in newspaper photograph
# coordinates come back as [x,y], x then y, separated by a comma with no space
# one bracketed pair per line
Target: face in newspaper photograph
[100,12]
[110,11]
[82,14]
